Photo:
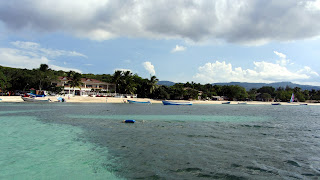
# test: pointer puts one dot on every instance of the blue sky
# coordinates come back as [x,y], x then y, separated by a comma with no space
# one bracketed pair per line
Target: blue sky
[180,41]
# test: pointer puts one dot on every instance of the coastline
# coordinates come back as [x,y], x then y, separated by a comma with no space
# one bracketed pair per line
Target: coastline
[81,99]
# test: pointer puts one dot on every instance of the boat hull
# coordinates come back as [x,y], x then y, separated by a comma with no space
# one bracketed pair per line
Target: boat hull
[176,103]
[242,103]
[138,102]
[275,104]
[28,99]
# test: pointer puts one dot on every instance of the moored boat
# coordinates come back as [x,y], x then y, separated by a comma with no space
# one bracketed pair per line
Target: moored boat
[275,104]
[34,99]
[138,102]
[60,99]
[176,103]
[226,102]
[242,103]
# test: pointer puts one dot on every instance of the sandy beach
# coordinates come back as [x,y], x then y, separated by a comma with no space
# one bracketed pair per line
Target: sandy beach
[81,99]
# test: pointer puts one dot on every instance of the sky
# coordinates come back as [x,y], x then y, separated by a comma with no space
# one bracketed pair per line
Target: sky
[181,41]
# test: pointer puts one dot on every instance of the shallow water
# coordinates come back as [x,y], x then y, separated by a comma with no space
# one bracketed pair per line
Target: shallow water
[167,142]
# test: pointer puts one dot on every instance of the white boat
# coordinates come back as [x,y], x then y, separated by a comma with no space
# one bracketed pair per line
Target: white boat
[176,103]
[34,99]
[242,102]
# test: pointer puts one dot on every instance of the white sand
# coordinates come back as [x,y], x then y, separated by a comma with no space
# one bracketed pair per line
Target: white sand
[80,99]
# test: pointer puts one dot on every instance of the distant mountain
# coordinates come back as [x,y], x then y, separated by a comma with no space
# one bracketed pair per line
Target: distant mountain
[166,83]
[276,85]
[249,86]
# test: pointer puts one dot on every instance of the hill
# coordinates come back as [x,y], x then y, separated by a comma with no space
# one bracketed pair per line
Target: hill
[166,83]
[276,85]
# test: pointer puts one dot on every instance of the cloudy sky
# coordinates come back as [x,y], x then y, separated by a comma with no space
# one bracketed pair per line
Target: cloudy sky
[192,40]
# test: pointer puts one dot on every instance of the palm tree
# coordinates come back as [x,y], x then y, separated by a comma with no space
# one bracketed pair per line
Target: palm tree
[45,76]
[74,80]
[117,79]
[152,84]
[129,86]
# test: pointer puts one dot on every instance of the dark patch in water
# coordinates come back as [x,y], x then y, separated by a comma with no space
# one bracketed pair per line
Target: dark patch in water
[188,170]
[225,176]
[256,126]
[235,165]
[293,163]
[258,169]
[202,136]
[154,177]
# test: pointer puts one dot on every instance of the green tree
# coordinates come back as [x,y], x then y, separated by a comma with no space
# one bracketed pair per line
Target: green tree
[74,80]
[152,84]
[117,80]
[252,93]
[45,76]
[3,81]
[266,96]
[267,89]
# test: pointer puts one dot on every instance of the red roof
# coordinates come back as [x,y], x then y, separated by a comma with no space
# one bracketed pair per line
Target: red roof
[83,80]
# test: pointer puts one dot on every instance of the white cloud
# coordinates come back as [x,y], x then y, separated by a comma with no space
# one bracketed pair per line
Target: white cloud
[149,67]
[262,72]
[17,58]
[312,5]
[281,55]
[37,50]
[178,48]
[235,21]
[54,67]
[30,55]
[283,61]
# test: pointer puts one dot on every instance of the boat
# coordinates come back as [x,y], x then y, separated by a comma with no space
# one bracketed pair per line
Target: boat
[275,104]
[242,103]
[176,103]
[34,99]
[129,121]
[226,102]
[138,102]
[304,104]
[60,99]
[292,98]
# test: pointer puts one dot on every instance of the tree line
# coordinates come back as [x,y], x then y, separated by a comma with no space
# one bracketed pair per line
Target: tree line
[14,79]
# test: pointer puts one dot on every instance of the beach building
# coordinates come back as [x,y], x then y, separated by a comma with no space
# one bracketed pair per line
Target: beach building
[88,87]
[218,98]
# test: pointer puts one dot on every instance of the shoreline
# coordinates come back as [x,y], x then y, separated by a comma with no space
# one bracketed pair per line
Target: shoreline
[81,99]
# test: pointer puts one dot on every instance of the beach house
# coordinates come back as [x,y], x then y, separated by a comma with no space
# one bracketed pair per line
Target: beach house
[87,87]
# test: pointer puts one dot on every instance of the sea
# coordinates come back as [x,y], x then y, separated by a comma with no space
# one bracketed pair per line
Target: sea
[89,141]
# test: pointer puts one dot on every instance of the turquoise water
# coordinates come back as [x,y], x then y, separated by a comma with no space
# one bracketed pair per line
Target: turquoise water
[88,141]
[31,149]
[173,118]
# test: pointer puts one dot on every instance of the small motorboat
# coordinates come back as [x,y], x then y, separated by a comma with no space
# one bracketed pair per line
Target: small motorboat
[242,103]
[138,102]
[226,102]
[275,104]
[129,121]
[34,99]
[60,99]
[176,103]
